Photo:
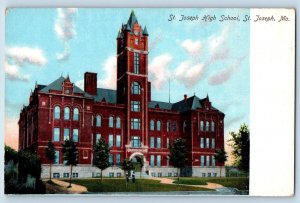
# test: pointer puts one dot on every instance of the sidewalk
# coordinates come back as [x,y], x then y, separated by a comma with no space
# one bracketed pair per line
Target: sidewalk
[208,186]
[75,189]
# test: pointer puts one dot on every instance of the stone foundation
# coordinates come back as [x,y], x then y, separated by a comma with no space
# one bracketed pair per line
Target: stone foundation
[88,171]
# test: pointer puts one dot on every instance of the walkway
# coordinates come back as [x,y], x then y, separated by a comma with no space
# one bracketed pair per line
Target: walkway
[75,189]
[208,186]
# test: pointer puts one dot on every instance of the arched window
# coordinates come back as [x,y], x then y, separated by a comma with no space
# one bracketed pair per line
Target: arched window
[201,125]
[135,88]
[158,124]
[168,126]
[76,114]
[212,126]
[67,113]
[57,112]
[118,122]
[207,126]
[111,122]
[152,125]
[98,121]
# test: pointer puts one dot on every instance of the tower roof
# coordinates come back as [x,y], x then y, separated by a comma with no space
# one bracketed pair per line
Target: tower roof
[145,31]
[132,19]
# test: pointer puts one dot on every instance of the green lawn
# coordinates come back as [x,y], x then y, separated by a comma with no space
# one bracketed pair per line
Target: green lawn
[241,183]
[141,185]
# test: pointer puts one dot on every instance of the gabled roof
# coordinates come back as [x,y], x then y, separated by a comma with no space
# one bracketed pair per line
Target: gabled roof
[57,85]
[191,103]
[108,95]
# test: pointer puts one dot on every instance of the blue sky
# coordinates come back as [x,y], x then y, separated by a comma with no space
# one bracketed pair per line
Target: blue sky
[199,57]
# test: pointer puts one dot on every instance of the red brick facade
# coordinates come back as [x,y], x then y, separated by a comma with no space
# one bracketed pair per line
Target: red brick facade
[127,117]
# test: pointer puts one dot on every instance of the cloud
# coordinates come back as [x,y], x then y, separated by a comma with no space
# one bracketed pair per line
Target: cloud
[65,29]
[21,55]
[158,70]
[224,75]
[189,73]
[110,69]
[12,73]
[192,47]
[218,47]
[12,133]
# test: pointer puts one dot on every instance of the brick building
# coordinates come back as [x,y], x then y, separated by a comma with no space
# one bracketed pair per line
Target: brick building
[127,118]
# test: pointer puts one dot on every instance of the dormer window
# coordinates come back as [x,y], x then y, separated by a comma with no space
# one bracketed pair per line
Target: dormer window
[136,41]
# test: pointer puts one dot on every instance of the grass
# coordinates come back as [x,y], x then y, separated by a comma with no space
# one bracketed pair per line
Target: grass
[141,185]
[241,183]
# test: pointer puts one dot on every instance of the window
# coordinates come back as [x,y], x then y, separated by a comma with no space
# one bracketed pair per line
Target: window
[158,160]
[111,140]
[201,125]
[76,114]
[168,161]
[118,141]
[208,174]
[135,106]
[111,174]
[152,125]
[158,142]
[85,154]
[136,62]
[202,160]
[168,142]
[215,174]
[159,174]
[203,174]
[201,142]
[213,161]
[207,126]
[213,143]
[98,121]
[151,142]
[57,112]
[135,88]
[111,159]
[92,120]
[67,113]
[158,125]
[212,126]
[169,174]
[66,175]
[152,160]
[119,174]
[207,142]
[75,135]
[56,134]
[168,126]
[56,159]
[66,133]
[118,159]
[135,123]
[136,141]
[75,175]
[184,126]
[152,174]
[174,126]
[207,160]
[136,41]
[111,122]
[56,175]
[118,122]
[98,136]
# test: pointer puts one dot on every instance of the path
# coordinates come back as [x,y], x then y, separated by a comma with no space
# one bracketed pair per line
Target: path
[75,189]
[208,186]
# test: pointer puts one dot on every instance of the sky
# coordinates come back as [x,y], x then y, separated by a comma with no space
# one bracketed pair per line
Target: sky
[201,58]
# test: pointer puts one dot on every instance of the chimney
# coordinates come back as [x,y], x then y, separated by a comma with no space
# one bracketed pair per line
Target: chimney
[185,97]
[90,83]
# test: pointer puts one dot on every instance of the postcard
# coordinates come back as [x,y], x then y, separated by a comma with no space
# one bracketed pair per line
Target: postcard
[149,101]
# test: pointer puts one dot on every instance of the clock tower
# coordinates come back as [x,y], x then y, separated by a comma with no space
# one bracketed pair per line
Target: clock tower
[133,88]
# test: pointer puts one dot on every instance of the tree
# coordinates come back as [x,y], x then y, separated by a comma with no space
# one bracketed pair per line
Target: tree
[127,166]
[221,157]
[50,154]
[240,143]
[178,154]
[102,151]
[70,152]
